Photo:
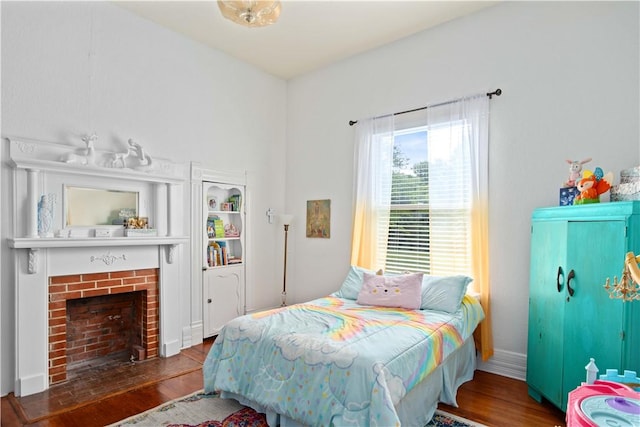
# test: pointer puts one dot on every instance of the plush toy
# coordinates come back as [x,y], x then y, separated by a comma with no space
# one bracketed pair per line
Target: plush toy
[575,167]
[592,186]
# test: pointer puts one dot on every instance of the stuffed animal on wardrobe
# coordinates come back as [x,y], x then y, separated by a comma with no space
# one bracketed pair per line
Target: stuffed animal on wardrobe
[575,171]
[592,185]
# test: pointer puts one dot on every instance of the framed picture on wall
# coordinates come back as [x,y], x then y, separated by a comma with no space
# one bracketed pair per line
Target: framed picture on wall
[319,218]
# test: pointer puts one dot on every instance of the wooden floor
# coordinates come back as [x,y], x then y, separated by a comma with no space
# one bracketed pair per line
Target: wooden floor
[489,399]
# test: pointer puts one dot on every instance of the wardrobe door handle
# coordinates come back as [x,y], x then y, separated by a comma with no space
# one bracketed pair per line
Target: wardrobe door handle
[572,275]
[558,279]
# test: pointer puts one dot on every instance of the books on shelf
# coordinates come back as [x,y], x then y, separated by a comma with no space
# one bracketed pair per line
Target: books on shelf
[224,229]
[214,254]
[215,227]
[234,200]
[218,226]
[210,227]
[219,254]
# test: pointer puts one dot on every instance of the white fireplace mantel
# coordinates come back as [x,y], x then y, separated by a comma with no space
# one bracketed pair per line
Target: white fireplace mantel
[34,244]
[40,243]
[43,168]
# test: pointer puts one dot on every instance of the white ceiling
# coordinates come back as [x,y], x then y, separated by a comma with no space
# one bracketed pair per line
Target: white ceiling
[309,34]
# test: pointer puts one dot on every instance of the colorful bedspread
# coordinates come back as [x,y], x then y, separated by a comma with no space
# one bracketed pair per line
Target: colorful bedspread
[331,361]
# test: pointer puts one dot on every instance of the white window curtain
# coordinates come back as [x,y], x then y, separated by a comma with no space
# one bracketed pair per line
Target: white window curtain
[373,166]
[457,203]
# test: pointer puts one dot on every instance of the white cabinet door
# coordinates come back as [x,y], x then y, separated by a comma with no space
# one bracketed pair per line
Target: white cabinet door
[223,297]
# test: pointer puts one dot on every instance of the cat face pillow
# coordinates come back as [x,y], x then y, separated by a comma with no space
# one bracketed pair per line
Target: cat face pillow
[403,291]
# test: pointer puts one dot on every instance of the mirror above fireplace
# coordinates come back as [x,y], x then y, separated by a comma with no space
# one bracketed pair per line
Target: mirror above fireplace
[97,206]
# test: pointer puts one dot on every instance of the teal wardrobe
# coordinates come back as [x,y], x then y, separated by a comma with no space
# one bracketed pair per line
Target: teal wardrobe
[571,317]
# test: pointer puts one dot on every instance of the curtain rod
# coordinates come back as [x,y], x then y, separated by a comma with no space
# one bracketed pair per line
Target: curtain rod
[496,92]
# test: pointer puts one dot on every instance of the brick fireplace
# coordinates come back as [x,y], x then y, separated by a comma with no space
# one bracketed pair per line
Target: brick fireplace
[87,261]
[64,275]
[97,314]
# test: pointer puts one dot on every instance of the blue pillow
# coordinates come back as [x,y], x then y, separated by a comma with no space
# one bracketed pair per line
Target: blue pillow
[352,283]
[443,293]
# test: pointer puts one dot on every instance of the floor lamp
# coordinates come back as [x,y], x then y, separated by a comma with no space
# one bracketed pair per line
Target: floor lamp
[286,220]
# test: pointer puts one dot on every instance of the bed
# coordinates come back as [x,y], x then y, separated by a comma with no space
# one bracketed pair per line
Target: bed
[337,361]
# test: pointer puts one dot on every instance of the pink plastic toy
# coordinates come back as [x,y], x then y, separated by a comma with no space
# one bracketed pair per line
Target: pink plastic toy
[603,403]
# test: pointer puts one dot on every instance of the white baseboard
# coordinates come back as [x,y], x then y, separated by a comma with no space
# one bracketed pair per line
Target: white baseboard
[186,337]
[26,386]
[505,363]
[170,348]
[197,333]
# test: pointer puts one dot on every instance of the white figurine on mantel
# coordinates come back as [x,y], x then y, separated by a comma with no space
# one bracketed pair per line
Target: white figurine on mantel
[119,160]
[46,207]
[89,155]
[592,371]
[145,162]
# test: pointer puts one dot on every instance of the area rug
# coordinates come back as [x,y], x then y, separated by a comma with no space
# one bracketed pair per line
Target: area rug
[208,410]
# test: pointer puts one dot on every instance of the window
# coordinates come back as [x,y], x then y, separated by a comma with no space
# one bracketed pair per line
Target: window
[429,214]
[421,195]
[421,191]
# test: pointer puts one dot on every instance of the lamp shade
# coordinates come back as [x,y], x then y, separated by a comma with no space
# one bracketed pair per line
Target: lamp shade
[286,218]
[251,13]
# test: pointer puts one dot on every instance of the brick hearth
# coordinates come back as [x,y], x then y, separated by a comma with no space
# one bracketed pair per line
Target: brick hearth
[70,287]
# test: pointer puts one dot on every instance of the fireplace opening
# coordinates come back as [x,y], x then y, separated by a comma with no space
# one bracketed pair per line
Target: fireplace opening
[100,317]
[108,325]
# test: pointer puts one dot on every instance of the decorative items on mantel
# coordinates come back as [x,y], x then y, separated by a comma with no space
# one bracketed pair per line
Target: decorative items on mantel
[57,164]
[46,209]
[135,162]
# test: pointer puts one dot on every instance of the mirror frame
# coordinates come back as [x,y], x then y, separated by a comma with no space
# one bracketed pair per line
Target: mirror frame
[70,187]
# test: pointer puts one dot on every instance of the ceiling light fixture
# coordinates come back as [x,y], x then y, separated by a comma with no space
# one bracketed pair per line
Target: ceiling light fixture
[251,13]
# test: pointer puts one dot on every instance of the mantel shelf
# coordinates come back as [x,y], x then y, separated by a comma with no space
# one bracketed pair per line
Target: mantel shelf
[86,242]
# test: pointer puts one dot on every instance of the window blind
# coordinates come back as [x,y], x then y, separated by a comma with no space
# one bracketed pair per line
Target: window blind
[429,219]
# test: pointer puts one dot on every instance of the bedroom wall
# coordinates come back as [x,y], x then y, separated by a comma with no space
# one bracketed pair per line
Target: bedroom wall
[71,68]
[569,72]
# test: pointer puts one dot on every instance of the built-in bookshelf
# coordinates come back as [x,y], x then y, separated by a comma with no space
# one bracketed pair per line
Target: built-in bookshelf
[223,226]
[223,253]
